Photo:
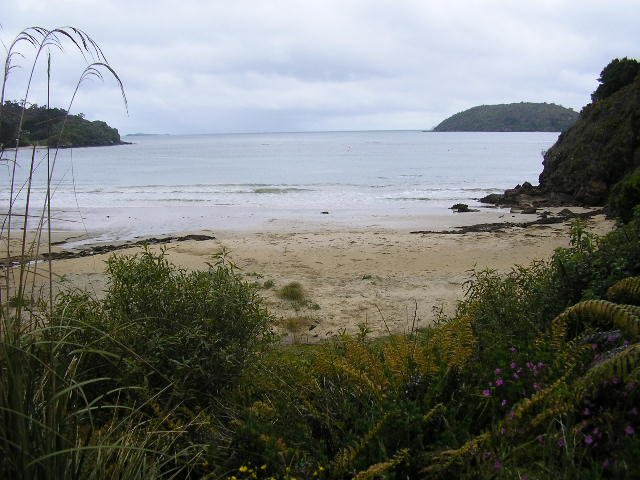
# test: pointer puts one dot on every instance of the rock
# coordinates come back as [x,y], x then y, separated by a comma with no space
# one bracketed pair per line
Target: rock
[462,208]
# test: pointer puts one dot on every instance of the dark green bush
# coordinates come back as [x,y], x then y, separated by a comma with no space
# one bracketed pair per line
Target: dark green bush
[625,196]
[191,333]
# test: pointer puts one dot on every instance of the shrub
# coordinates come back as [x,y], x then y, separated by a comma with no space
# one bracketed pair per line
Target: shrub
[190,332]
[625,196]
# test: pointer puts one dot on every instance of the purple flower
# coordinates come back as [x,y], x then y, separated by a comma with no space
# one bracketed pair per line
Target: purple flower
[586,412]
[503,430]
[503,403]
[594,346]
[516,376]
[513,365]
[486,392]
[497,371]
[615,380]
[625,343]
[499,382]
[498,465]
[513,349]
[561,442]
[537,387]
[588,439]
[612,338]
[629,430]
[529,365]
[540,365]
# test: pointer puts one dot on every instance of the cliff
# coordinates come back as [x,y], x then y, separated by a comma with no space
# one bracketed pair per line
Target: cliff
[592,156]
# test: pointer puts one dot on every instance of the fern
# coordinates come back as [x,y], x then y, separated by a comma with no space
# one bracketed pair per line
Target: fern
[346,457]
[597,313]
[625,291]
[622,364]
[443,460]
[376,470]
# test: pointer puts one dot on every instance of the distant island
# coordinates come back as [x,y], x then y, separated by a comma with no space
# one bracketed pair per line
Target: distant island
[512,117]
[53,127]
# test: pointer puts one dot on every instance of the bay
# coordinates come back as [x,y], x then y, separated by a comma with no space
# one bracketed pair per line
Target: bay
[236,180]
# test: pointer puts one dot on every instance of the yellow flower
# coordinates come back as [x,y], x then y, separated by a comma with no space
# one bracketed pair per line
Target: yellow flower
[243,469]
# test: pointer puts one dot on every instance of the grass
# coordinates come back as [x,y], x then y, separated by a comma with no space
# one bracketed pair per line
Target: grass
[293,292]
[298,323]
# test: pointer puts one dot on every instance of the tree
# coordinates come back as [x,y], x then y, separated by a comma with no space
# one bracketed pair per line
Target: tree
[616,75]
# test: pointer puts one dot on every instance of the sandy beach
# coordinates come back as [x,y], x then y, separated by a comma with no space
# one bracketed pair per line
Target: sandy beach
[384,278]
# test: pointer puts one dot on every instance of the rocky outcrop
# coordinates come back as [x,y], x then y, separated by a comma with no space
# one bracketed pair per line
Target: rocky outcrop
[589,158]
[600,149]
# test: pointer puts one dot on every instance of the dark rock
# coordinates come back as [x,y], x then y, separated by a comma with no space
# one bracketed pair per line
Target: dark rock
[462,208]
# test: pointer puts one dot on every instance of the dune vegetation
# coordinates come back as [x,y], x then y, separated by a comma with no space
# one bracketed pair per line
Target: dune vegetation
[178,374]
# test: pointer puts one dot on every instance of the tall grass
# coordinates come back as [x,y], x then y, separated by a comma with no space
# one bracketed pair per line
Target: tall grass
[49,426]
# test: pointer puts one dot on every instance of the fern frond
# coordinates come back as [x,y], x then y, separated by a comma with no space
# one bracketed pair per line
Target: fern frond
[528,404]
[625,291]
[445,459]
[433,412]
[621,364]
[346,457]
[360,378]
[454,342]
[597,313]
[374,471]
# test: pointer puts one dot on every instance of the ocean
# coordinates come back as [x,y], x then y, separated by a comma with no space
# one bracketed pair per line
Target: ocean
[163,184]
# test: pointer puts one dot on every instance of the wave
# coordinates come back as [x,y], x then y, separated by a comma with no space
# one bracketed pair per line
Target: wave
[279,190]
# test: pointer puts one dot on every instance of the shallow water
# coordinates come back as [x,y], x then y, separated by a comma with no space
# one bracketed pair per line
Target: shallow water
[163,184]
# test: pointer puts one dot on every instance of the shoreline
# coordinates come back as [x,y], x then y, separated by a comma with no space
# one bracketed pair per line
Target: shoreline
[381,277]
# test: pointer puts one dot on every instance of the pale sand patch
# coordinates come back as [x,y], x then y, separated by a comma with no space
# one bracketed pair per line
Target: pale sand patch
[380,277]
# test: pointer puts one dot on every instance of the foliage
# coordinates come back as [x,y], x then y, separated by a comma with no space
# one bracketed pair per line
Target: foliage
[625,196]
[53,127]
[600,149]
[189,332]
[512,117]
[617,74]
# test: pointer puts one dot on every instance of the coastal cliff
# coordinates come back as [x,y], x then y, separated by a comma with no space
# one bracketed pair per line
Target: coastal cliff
[596,153]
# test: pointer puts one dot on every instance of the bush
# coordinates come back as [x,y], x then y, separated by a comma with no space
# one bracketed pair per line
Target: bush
[625,196]
[189,332]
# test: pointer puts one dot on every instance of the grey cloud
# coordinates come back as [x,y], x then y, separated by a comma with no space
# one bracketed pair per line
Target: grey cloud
[198,66]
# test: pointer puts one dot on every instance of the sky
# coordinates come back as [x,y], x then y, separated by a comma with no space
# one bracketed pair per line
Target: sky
[193,66]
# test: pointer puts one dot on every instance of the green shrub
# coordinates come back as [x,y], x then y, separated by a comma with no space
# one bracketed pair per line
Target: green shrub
[189,332]
[625,196]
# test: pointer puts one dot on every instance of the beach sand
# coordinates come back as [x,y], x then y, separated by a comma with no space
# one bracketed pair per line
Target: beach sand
[388,279]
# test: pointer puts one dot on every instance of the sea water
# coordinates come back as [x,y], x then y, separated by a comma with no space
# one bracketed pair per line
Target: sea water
[169,183]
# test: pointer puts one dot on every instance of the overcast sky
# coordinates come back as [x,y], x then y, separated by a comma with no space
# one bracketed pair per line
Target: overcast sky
[245,66]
